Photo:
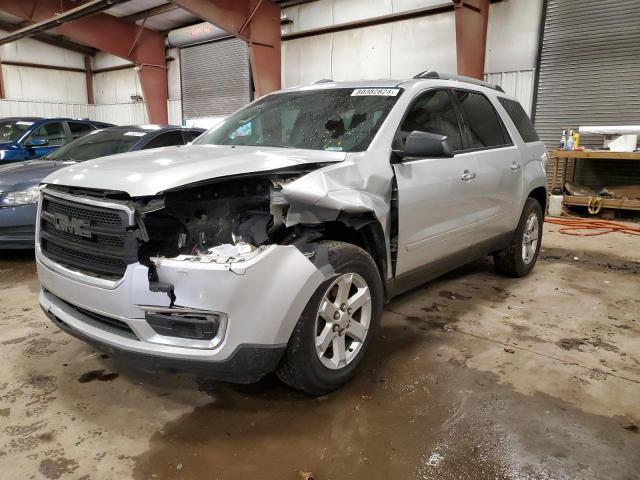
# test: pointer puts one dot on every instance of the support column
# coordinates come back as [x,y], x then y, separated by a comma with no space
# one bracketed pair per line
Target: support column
[472,17]
[89,79]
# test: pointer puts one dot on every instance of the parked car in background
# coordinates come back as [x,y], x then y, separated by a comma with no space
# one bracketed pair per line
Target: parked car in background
[19,181]
[26,138]
[271,242]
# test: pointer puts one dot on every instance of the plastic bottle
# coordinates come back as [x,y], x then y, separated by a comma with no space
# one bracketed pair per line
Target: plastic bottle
[555,203]
[576,139]
[570,141]
[563,140]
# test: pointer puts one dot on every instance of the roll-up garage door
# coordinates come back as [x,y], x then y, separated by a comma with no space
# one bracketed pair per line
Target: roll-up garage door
[590,75]
[215,78]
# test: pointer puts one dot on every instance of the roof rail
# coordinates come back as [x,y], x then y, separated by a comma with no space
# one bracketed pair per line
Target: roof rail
[324,80]
[459,78]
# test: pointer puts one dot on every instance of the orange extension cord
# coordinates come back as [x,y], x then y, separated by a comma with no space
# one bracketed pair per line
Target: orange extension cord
[585,227]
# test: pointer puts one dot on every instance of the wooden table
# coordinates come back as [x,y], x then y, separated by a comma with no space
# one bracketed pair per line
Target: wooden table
[563,170]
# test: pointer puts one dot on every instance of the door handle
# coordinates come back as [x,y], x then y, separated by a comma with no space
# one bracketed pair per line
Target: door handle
[467,175]
[515,166]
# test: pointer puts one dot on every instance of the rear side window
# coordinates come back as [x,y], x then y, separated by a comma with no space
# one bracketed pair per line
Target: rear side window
[79,129]
[433,112]
[191,135]
[521,119]
[484,127]
[167,139]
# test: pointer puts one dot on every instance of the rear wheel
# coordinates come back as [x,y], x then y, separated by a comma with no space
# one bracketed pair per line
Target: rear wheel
[519,258]
[338,324]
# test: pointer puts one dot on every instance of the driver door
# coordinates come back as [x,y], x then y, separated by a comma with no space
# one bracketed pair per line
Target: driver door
[436,196]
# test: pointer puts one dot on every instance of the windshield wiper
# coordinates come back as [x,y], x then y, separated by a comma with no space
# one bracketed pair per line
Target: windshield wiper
[273,145]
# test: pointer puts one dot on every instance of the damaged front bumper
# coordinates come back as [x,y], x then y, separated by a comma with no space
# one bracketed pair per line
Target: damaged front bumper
[244,312]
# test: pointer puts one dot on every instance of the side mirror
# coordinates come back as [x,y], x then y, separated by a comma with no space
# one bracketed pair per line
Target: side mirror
[425,145]
[36,142]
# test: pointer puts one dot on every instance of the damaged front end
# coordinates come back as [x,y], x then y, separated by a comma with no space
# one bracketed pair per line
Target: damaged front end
[197,273]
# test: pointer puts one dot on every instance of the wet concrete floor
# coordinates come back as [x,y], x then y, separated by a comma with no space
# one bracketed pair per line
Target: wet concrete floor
[474,376]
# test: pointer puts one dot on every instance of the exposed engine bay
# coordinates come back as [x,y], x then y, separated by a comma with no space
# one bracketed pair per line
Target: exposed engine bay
[222,220]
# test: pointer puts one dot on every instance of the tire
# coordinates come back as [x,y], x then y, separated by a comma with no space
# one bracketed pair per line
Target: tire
[302,367]
[515,260]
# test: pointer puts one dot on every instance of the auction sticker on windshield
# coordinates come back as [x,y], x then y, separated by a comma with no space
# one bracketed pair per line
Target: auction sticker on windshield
[380,92]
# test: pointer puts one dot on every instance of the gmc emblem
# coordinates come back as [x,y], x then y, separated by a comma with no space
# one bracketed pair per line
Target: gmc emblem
[76,226]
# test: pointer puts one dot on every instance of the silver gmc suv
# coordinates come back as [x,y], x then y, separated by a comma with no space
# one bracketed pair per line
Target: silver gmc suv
[272,242]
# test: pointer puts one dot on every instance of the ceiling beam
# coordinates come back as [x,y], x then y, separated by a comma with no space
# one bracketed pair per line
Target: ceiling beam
[90,8]
[56,41]
[150,12]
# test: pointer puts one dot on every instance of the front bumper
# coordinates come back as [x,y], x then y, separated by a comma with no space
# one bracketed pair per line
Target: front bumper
[17,226]
[262,299]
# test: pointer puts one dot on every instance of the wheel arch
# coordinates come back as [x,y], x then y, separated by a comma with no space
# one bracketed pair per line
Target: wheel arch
[540,195]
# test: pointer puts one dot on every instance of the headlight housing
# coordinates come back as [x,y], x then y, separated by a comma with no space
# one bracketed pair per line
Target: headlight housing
[20,197]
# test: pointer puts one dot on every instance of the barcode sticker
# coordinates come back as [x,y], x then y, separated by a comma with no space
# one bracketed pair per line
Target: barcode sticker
[378,92]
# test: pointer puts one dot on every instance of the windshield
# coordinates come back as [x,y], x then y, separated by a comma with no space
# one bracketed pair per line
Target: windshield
[97,144]
[12,130]
[340,119]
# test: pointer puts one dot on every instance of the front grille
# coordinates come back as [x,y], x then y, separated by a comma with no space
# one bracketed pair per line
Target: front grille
[92,238]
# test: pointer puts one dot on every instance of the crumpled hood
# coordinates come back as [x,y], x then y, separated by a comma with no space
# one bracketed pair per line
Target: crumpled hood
[15,176]
[149,172]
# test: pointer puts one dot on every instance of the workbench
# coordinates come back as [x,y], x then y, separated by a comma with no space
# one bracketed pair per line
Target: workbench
[563,170]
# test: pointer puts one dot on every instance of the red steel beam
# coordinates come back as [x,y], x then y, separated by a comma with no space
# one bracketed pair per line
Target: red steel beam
[255,21]
[112,35]
[89,79]
[472,17]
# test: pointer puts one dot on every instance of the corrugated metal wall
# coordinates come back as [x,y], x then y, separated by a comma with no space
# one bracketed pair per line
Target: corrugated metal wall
[118,113]
[519,84]
[590,75]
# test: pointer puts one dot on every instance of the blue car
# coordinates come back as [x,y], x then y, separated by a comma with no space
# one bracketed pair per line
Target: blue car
[26,138]
[19,181]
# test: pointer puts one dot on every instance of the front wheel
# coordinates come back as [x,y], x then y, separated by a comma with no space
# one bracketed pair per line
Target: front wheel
[338,324]
[519,258]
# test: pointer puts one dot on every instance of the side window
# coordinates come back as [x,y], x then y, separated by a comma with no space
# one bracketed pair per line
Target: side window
[484,126]
[521,119]
[79,129]
[167,139]
[51,132]
[433,112]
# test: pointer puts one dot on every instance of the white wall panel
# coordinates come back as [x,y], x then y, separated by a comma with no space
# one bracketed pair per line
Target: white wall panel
[175,112]
[173,73]
[426,43]
[19,108]
[396,50]
[106,60]
[116,86]
[38,84]
[122,113]
[118,114]
[519,84]
[306,60]
[513,35]
[362,53]
[324,13]
[28,50]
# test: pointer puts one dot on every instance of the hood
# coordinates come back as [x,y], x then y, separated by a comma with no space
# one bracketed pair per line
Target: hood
[149,172]
[24,174]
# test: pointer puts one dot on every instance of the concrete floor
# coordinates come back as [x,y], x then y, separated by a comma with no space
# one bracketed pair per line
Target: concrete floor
[475,376]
